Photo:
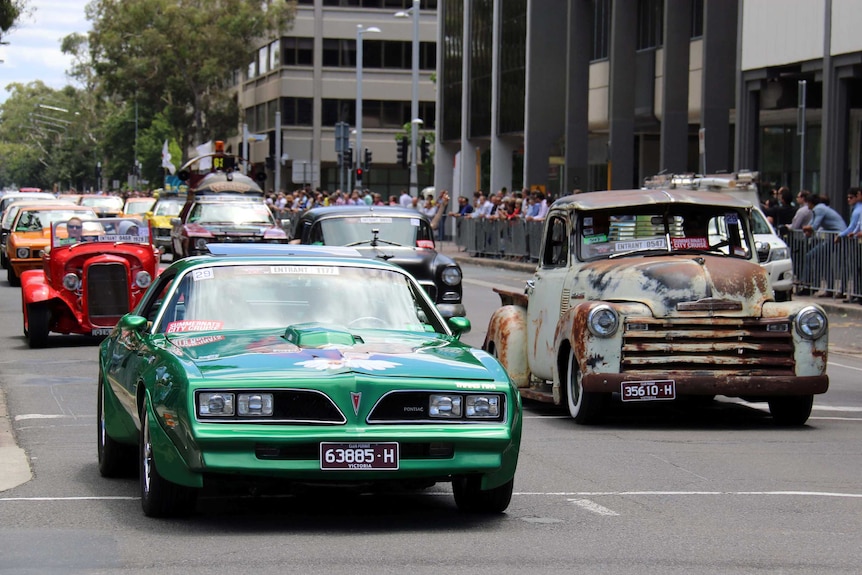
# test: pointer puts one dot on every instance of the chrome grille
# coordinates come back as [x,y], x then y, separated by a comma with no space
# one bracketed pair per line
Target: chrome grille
[107,290]
[708,346]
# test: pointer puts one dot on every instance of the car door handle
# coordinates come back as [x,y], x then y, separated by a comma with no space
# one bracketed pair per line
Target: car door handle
[531,285]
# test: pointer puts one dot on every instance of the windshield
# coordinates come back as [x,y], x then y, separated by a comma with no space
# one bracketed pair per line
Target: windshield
[234,213]
[168,208]
[138,206]
[37,220]
[103,202]
[265,296]
[636,230]
[106,230]
[359,230]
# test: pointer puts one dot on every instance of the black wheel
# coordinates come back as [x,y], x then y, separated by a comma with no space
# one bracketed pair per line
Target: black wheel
[470,498]
[160,497]
[115,459]
[585,407]
[791,411]
[12,277]
[38,325]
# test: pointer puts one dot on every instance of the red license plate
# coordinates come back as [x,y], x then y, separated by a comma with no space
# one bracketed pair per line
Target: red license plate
[648,390]
[359,456]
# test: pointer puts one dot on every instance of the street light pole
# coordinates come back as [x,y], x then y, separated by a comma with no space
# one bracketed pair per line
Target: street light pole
[360,30]
[414,101]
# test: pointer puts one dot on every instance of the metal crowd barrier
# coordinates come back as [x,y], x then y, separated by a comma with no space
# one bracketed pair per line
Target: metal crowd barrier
[822,264]
[509,239]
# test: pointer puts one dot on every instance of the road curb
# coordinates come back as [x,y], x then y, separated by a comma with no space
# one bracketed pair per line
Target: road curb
[14,464]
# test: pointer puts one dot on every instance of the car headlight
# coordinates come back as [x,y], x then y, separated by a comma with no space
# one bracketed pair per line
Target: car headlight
[482,406]
[811,323]
[451,276]
[215,404]
[603,321]
[201,243]
[71,282]
[143,279]
[23,253]
[254,404]
[444,406]
[779,254]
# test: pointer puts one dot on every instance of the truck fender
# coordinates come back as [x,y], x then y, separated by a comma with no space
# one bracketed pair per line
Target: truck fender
[507,341]
[566,337]
[34,289]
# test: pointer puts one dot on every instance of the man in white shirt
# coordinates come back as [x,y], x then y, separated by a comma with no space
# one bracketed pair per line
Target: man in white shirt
[405,199]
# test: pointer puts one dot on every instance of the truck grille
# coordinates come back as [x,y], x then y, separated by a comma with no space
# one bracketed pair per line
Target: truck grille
[711,346]
[107,293]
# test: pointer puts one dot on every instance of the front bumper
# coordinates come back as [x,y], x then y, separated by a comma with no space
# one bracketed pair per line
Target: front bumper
[715,384]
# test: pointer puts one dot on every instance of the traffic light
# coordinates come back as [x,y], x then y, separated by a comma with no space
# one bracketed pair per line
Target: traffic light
[402,152]
[347,160]
[367,159]
[359,173]
[425,147]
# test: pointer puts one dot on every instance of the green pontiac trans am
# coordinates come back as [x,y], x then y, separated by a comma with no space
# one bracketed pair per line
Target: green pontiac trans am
[278,366]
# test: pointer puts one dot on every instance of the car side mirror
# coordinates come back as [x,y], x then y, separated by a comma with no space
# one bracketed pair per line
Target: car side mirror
[459,325]
[175,221]
[133,322]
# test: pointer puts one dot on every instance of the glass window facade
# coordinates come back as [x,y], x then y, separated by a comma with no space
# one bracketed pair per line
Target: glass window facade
[650,24]
[481,67]
[297,51]
[451,51]
[513,67]
[601,29]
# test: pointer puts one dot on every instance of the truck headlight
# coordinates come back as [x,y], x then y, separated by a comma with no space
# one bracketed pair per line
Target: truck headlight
[143,279]
[23,253]
[603,321]
[444,406]
[779,254]
[451,276]
[201,244]
[254,404]
[71,282]
[811,323]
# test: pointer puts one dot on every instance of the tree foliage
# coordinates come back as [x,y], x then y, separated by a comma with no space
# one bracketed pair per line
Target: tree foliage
[179,57]
[10,12]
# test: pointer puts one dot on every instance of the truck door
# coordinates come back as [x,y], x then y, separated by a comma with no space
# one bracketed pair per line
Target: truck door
[547,297]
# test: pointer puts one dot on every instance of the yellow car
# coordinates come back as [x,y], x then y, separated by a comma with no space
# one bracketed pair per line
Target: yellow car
[30,234]
[165,209]
[137,207]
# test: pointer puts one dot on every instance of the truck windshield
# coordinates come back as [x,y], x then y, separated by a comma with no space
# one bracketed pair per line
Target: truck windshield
[618,233]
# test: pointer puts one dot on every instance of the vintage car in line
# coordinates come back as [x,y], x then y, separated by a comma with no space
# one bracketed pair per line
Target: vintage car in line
[166,208]
[398,235]
[654,295]
[137,207]
[276,367]
[94,273]
[222,205]
[30,234]
[11,210]
[106,205]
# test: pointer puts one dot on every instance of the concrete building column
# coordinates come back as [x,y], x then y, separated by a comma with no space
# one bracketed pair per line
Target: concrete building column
[467,184]
[621,94]
[501,150]
[579,49]
[674,109]
[545,87]
[747,123]
[718,94]
[834,165]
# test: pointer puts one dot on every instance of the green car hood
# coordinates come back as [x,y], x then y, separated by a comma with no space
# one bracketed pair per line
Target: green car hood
[310,353]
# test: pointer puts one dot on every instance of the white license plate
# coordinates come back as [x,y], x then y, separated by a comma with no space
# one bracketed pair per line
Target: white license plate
[101,331]
[648,390]
[359,456]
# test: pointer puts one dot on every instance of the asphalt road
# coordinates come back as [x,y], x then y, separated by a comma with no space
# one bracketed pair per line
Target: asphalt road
[657,489]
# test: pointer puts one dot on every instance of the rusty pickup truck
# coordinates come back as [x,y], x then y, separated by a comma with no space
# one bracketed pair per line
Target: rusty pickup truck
[656,295]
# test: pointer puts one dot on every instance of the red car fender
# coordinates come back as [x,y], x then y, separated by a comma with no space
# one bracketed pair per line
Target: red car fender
[35,289]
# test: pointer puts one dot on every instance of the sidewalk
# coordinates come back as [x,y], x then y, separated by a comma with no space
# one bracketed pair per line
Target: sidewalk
[14,465]
[835,308]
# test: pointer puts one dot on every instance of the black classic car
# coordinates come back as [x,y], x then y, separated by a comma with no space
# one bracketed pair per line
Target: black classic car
[398,235]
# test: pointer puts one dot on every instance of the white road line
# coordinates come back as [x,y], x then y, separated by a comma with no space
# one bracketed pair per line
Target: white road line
[594,507]
[688,493]
[27,416]
[832,363]
[85,498]
[492,285]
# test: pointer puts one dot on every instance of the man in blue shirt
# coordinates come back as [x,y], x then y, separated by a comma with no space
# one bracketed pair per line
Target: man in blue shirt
[852,266]
[821,260]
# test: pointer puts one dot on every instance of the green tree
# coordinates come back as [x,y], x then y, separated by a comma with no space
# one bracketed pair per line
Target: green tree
[179,57]
[10,12]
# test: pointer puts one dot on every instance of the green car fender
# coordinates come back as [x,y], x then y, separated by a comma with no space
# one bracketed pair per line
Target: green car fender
[169,462]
